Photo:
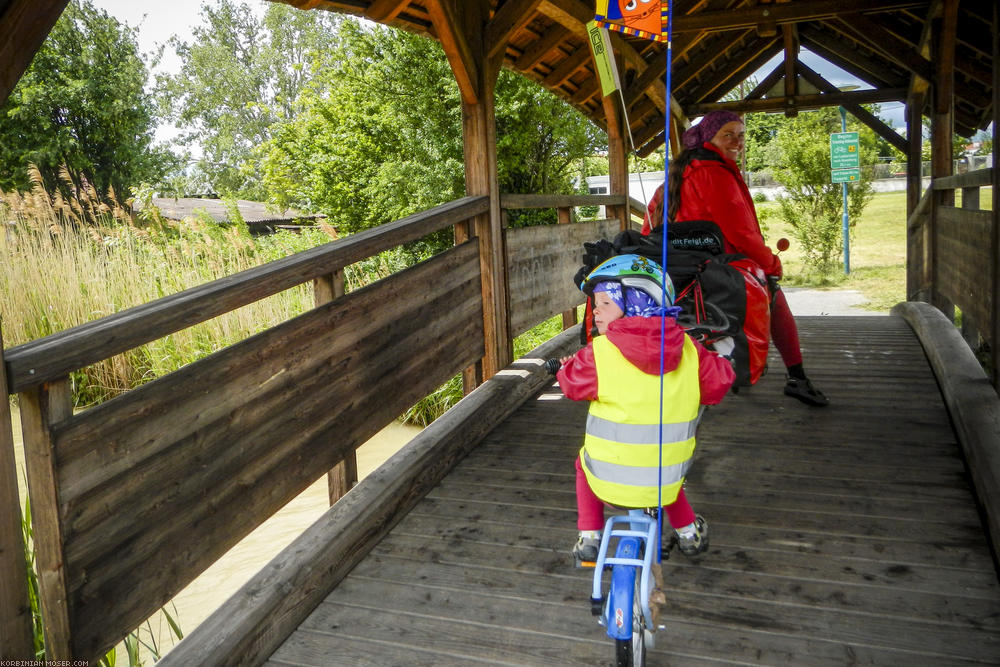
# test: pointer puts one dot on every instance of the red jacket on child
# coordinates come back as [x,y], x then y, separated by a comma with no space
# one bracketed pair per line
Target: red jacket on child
[638,340]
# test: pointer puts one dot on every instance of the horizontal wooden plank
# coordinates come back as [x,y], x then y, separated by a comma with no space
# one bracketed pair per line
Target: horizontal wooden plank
[514,201]
[191,499]
[265,611]
[553,251]
[57,355]
[976,178]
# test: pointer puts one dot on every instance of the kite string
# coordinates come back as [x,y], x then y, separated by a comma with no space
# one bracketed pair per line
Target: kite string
[663,264]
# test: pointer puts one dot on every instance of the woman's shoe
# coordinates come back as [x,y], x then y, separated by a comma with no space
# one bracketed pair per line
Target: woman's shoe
[802,389]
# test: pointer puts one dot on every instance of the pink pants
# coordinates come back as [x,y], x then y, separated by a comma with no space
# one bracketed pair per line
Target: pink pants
[784,332]
[590,508]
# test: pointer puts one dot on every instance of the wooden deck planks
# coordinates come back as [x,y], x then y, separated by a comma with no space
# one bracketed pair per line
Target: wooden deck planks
[840,535]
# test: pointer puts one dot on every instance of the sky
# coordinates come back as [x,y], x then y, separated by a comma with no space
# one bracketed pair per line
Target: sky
[158,21]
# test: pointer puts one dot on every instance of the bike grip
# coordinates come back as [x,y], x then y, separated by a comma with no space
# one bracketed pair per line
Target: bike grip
[552,366]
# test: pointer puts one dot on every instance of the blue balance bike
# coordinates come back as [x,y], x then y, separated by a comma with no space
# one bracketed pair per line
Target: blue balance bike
[630,608]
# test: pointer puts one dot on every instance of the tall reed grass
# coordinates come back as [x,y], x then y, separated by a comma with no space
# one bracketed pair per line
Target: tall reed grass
[64,265]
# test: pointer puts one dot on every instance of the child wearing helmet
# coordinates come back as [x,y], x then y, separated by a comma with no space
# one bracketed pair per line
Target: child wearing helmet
[619,373]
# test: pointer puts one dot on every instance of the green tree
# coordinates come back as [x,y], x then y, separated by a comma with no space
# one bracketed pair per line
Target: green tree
[82,105]
[378,135]
[240,76]
[812,205]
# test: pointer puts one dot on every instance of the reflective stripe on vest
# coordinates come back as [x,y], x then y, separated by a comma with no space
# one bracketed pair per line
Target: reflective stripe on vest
[621,453]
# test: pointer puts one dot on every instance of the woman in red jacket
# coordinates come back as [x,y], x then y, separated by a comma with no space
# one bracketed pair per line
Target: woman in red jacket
[705,184]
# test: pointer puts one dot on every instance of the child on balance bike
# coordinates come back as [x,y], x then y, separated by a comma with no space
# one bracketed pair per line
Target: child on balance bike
[619,373]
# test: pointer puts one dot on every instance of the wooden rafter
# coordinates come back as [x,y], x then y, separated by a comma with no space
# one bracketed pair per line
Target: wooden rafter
[856,110]
[455,42]
[844,54]
[812,101]
[509,18]
[24,25]
[807,10]
[384,11]
[886,44]
[552,36]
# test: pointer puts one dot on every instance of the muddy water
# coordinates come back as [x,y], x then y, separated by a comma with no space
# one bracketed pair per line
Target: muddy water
[222,579]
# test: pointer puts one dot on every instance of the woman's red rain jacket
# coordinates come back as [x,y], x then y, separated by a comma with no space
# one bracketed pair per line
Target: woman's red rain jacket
[713,190]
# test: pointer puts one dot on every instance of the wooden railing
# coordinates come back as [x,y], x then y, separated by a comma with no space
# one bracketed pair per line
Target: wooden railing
[953,254]
[134,498]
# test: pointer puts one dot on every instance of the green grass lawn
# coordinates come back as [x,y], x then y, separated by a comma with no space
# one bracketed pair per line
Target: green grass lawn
[877,252]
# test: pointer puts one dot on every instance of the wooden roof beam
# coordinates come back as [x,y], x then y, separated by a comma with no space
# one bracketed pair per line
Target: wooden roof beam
[846,56]
[454,40]
[384,11]
[856,110]
[731,74]
[886,44]
[816,101]
[565,69]
[24,24]
[767,83]
[791,44]
[511,17]
[806,10]
[539,47]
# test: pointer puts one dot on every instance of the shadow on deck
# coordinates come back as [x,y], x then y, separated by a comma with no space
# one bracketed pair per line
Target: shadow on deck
[841,535]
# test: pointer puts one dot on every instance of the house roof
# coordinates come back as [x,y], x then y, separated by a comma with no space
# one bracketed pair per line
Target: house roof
[255,214]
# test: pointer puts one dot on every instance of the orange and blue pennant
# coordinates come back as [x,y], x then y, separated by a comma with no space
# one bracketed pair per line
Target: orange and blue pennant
[639,18]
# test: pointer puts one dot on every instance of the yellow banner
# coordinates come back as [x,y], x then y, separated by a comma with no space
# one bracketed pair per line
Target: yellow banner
[604,58]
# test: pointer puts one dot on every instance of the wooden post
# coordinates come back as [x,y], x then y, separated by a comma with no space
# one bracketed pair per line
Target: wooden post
[17,639]
[617,160]
[994,325]
[917,274]
[970,328]
[344,475]
[565,216]
[41,407]
[942,131]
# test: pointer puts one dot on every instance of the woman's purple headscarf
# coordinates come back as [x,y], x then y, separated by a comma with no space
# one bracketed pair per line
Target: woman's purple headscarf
[709,125]
[634,303]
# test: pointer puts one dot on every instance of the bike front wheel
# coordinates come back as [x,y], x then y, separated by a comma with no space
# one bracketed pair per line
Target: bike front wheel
[632,652]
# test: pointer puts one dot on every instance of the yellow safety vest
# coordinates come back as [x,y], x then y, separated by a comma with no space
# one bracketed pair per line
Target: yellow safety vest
[621,450]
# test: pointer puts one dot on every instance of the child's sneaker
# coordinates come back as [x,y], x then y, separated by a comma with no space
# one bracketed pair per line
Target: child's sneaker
[586,548]
[693,540]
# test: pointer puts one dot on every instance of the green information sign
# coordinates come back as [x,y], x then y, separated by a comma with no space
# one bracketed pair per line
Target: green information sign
[846,175]
[844,151]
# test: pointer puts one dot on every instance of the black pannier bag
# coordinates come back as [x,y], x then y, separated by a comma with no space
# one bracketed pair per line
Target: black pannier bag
[719,294]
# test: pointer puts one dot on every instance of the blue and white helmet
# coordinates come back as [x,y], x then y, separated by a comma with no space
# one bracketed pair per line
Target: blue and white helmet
[635,271]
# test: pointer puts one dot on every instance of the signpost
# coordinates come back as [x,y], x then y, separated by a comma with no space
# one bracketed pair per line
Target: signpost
[845,167]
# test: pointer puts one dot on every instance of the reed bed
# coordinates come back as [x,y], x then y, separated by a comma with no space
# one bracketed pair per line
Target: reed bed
[66,263]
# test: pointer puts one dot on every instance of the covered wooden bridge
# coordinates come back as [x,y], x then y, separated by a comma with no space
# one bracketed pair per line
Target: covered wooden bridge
[862,533]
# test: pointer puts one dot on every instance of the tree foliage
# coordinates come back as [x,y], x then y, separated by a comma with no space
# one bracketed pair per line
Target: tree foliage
[239,78]
[82,105]
[800,159]
[378,134]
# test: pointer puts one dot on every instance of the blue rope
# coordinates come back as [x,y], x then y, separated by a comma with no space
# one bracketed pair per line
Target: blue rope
[663,265]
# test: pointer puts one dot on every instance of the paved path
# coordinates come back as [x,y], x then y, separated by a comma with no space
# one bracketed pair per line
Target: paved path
[805,301]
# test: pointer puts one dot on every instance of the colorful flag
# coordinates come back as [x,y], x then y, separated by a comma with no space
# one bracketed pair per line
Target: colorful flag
[640,18]
[604,58]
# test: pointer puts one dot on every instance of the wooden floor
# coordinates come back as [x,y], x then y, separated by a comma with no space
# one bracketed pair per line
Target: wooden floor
[844,535]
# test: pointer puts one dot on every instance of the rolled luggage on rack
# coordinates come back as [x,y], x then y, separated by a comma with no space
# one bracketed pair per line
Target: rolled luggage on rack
[719,294]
